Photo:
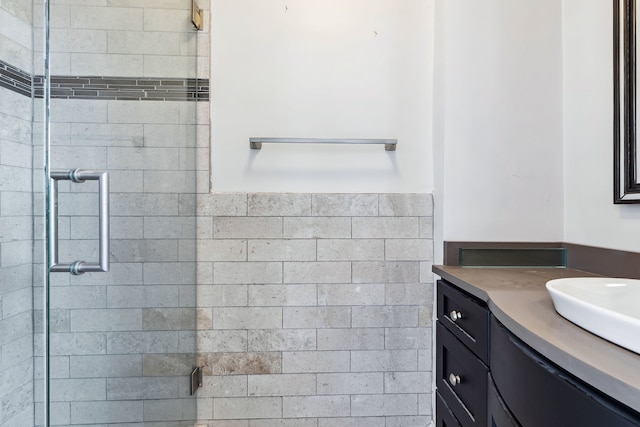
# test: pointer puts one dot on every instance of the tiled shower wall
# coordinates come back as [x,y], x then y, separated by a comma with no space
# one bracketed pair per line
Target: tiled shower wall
[314,310]
[123,342]
[16,340]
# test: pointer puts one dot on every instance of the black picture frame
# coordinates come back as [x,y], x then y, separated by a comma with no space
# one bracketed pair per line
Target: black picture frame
[626,182]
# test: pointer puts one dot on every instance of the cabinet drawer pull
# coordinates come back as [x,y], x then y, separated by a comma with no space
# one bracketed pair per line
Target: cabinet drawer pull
[455,315]
[454,379]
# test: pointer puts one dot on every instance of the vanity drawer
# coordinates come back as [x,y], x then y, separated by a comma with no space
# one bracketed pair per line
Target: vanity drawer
[444,416]
[498,413]
[466,317]
[461,379]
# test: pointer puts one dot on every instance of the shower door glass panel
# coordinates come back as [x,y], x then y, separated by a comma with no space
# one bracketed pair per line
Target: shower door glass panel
[118,348]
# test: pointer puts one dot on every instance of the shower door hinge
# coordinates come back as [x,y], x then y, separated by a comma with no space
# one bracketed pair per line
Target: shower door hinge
[197,15]
[196,380]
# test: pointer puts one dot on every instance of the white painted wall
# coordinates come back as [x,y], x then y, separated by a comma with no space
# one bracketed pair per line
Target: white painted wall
[515,84]
[322,68]
[590,216]
[498,126]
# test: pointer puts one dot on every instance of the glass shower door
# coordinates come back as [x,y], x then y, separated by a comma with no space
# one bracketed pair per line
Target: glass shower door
[116,102]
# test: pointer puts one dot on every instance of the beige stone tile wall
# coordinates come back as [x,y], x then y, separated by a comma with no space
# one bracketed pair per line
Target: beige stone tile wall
[315,309]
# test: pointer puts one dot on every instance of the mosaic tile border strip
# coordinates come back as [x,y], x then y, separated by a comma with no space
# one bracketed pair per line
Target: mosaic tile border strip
[124,88]
[15,79]
[105,88]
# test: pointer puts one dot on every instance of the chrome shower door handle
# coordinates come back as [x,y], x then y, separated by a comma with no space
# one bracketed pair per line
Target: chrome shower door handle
[79,176]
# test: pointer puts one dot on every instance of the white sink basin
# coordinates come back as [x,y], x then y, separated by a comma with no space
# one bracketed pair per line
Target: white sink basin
[609,308]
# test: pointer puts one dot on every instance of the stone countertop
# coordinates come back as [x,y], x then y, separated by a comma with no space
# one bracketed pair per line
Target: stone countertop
[519,300]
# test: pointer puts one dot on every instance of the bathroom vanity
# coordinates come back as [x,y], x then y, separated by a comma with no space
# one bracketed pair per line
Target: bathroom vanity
[505,358]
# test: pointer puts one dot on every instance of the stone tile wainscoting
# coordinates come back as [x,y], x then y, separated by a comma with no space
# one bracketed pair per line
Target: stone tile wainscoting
[315,310]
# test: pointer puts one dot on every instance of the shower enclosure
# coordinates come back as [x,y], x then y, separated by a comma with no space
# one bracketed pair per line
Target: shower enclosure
[115,176]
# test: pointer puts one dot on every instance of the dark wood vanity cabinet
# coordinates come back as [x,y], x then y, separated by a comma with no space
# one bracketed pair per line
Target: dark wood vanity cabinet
[498,414]
[444,416]
[486,376]
[461,358]
[539,393]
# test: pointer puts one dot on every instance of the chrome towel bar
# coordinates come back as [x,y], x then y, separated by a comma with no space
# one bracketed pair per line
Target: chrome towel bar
[256,143]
